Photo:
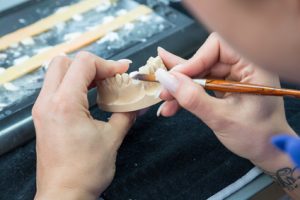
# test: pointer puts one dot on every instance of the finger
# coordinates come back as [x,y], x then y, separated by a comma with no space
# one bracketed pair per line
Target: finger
[165,95]
[170,60]
[220,71]
[169,108]
[212,52]
[205,57]
[121,122]
[190,95]
[87,67]
[55,74]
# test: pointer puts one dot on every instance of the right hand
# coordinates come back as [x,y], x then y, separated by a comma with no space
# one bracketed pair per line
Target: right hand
[243,123]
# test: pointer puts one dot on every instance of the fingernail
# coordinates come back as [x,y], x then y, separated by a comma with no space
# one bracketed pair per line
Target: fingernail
[160,109]
[176,67]
[158,92]
[167,80]
[126,61]
[142,112]
[160,49]
[46,64]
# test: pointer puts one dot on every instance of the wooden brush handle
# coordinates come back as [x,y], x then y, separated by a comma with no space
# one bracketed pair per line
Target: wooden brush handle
[238,87]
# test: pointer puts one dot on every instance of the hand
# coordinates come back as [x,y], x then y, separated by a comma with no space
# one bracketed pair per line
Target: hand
[75,153]
[243,123]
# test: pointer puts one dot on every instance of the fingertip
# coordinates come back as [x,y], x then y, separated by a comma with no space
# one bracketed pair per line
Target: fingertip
[119,66]
[170,108]
[160,108]
[160,50]
[169,59]
[165,95]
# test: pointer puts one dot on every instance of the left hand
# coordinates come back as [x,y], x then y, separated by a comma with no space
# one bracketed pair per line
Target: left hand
[75,153]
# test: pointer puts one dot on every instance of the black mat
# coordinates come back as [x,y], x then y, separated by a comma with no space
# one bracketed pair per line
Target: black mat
[174,158]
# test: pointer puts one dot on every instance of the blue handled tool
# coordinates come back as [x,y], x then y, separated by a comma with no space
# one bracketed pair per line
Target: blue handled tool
[290,145]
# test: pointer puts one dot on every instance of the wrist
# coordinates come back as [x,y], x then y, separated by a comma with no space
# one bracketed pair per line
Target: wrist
[271,158]
[64,193]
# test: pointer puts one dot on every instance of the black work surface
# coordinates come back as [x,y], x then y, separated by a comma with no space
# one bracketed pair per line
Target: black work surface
[161,158]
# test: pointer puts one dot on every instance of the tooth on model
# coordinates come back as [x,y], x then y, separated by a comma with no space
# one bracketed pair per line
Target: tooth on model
[119,80]
[144,70]
[124,94]
[125,78]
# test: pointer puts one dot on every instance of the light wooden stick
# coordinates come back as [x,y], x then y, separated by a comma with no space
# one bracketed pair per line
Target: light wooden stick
[35,62]
[48,22]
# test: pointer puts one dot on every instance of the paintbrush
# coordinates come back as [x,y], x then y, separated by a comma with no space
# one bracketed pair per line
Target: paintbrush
[231,86]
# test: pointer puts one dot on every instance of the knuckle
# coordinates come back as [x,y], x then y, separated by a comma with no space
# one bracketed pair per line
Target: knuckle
[191,100]
[60,106]
[219,124]
[214,35]
[85,56]
[58,60]
[37,111]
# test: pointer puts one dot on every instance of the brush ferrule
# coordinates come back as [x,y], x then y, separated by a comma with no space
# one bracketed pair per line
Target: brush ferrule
[201,82]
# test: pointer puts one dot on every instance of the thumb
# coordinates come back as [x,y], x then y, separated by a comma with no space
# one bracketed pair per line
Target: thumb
[121,123]
[189,95]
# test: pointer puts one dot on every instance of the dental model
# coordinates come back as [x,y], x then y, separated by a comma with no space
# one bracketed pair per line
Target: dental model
[123,94]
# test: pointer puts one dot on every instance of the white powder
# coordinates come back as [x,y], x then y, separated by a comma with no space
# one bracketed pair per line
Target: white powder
[10,87]
[2,70]
[15,45]
[112,36]
[121,12]
[28,41]
[104,6]
[62,9]
[22,21]
[91,28]
[71,36]
[60,26]
[107,19]
[41,50]
[21,60]
[77,18]
[3,56]
[129,26]
[145,18]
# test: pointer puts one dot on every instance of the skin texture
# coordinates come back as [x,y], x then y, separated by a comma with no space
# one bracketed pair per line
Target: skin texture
[75,153]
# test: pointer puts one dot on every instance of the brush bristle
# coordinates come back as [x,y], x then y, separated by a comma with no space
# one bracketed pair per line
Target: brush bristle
[145,77]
